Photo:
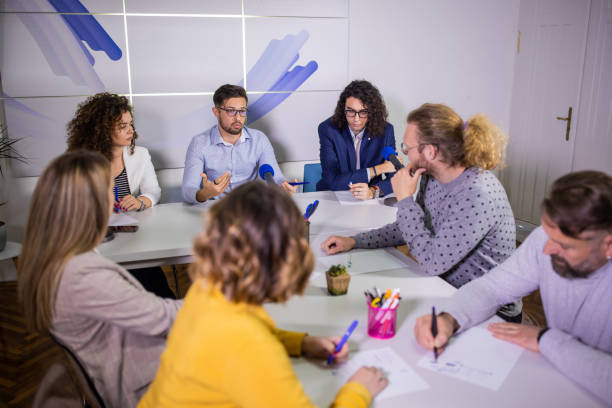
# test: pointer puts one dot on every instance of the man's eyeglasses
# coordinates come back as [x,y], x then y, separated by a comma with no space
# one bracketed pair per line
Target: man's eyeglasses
[351,113]
[234,112]
[406,149]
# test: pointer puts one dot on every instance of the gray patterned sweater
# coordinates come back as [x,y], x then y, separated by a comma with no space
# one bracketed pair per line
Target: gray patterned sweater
[465,228]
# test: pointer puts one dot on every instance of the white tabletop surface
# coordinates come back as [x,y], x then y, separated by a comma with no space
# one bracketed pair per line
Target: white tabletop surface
[533,382]
[11,250]
[166,231]
[166,234]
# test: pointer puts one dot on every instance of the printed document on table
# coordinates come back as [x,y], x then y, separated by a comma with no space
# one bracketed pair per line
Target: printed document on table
[119,219]
[402,378]
[476,357]
[347,198]
[367,260]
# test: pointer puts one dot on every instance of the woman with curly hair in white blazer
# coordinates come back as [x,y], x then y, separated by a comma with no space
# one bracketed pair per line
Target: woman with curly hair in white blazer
[104,123]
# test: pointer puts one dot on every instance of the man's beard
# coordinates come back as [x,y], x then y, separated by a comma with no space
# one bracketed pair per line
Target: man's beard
[230,128]
[565,270]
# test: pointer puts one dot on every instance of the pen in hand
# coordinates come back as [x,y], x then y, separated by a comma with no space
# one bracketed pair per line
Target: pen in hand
[434,330]
[342,341]
[115,206]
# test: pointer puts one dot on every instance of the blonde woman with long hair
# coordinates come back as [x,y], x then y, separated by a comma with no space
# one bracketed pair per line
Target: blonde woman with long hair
[460,226]
[91,305]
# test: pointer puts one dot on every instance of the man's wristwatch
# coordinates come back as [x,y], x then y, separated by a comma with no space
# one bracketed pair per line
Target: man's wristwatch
[143,206]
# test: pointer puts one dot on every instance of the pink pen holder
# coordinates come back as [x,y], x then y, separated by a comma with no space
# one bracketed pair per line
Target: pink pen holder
[381,322]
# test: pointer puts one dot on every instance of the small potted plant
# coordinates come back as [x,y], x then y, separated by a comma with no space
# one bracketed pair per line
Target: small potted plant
[338,280]
[7,151]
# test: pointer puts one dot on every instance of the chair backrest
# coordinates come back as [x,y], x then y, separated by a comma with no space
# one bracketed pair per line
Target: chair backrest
[88,388]
[312,174]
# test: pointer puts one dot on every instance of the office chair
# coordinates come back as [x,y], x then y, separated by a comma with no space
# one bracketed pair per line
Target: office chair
[312,174]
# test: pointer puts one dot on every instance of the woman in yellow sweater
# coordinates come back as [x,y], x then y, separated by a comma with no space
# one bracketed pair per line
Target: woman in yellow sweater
[224,349]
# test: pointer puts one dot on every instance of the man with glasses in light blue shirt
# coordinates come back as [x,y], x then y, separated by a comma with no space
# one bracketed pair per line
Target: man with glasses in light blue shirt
[229,153]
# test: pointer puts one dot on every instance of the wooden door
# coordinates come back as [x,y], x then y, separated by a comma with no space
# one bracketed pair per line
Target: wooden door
[547,80]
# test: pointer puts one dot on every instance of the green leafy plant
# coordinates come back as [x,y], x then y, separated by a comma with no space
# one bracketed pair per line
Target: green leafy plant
[7,148]
[337,270]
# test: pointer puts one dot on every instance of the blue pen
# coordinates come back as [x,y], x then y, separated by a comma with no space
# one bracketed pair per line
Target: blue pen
[342,341]
[307,212]
[314,205]
[116,199]
[298,183]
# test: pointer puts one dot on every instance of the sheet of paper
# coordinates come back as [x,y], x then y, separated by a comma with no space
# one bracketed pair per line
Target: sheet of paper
[346,198]
[402,378]
[119,219]
[364,261]
[476,357]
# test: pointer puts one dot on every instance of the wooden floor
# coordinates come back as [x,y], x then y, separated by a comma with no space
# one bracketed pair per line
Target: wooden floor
[26,357]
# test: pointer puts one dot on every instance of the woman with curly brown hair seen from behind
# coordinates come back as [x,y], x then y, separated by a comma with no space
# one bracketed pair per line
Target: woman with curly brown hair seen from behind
[104,123]
[352,141]
[460,226]
[224,349]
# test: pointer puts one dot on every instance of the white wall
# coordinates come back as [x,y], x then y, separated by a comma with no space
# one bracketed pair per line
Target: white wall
[460,53]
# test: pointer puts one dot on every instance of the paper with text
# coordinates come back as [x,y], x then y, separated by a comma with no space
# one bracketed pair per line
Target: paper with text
[119,219]
[476,357]
[347,198]
[402,378]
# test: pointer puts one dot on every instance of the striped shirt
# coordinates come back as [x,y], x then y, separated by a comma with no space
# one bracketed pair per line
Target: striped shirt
[121,182]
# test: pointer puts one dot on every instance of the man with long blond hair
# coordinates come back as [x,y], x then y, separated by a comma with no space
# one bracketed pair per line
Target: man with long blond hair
[92,306]
[460,225]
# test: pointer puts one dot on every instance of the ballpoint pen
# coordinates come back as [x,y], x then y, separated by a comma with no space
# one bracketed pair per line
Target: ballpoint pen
[342,341]
[434,330]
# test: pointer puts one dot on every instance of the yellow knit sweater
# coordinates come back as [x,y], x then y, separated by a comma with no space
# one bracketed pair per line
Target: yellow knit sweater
[224,354]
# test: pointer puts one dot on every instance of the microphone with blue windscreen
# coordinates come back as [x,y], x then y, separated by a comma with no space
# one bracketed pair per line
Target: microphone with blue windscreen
[266,172]
[390,154]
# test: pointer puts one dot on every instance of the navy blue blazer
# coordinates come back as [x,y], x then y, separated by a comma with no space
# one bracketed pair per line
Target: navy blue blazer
[337,154]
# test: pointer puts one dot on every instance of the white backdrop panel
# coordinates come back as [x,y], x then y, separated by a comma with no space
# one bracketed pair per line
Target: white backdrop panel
[300,8]
[292,126]
[93,6]
[166,125]
[184,6]
[41,124]
[26,70]
[181,54]
[327,44]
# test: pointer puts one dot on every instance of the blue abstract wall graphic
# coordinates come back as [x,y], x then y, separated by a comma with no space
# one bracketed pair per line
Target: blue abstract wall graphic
[271,73]
[60,39]
[87,28]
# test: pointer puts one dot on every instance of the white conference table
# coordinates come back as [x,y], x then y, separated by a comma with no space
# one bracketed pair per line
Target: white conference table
[165,236]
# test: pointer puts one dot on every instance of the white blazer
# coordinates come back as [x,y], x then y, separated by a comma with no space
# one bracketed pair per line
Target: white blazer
[141,174]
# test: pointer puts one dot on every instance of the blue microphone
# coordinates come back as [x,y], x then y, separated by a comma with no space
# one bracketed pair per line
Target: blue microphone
[266,172]
[390,154]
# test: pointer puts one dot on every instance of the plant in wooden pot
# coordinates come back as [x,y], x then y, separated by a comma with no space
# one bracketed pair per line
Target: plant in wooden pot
[338,280]
[7,152]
